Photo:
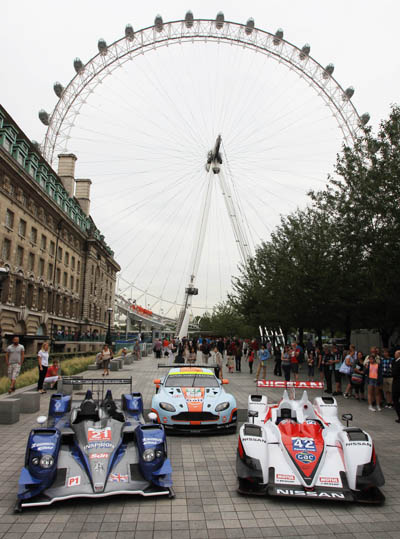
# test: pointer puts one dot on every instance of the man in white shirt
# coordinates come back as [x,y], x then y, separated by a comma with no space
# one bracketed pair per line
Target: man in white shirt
[14,358]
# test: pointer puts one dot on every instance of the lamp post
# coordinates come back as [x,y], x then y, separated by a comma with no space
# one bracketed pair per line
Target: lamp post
[108,339]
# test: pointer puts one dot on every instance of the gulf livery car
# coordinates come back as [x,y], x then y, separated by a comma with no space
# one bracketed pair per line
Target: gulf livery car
[192,399]
[300,448]
[94,449]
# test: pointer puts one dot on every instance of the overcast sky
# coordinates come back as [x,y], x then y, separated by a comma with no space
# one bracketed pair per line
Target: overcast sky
[39,41]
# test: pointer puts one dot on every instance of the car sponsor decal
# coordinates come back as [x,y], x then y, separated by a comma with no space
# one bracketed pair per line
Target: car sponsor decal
[99,455]
[285,477]
[74,481]
[329,480]
[98,467]
[43,446]
[309,493]
[99,445]
[296,437]
[305,457]
[118,478]
[152,441]
[99,435]
[194,399]
[303,444]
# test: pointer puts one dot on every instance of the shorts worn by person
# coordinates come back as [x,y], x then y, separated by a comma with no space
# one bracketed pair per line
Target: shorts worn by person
[14,358]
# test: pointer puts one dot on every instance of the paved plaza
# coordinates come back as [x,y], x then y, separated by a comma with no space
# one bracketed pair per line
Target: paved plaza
[206,504]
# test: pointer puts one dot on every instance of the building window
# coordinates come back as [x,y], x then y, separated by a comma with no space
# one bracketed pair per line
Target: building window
[29,296]
[20,256]
[59,254]
[40,300]
[73,263]
[79,266]
[18,292]
[22,228]
[66,259]
[52,248]
[33,235]
[9,219]
[71,282]
[31,262]
[77,285]
[58,276]
[65,279]
[24,200]
[6,250]
[43,242]
[41,267]
[50,272]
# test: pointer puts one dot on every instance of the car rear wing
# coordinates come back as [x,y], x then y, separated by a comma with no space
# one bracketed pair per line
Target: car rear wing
[186,365]
[76,381]
[282,384]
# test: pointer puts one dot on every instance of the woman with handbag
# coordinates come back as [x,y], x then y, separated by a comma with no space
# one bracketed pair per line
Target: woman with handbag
[346,368]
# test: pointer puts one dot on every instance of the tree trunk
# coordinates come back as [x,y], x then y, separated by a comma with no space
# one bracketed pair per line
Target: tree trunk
[301,336]
[385,336]
[347,329]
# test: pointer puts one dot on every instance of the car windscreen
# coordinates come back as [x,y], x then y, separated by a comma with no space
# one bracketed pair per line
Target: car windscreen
[191,380]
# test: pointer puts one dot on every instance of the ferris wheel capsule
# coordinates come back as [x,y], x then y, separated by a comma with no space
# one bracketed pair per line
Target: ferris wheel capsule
[305,51]
[58,89]
[348,93]
[328,71]
[44,117]
[102,46]
[278,37]
[78,65]
[364,118]
[129,33]
[249,26]
[189,19]
[219,20]
[158,23]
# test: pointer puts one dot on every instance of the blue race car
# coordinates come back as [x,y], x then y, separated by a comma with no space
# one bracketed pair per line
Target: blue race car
[191,399]
[94,449]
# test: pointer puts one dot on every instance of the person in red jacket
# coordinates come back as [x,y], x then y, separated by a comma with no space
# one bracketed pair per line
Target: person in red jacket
[53,374]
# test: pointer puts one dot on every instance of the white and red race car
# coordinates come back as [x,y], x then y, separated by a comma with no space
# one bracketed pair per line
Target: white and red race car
[300,448]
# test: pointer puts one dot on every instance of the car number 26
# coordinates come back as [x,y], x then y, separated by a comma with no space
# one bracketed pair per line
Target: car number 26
[300,444]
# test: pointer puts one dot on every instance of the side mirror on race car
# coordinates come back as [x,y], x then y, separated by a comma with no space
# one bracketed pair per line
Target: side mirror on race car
[224,381]
[347,418]
[152,416]
[157,382]
[41,419]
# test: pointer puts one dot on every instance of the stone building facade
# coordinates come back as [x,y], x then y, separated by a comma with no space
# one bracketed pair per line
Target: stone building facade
[57,273]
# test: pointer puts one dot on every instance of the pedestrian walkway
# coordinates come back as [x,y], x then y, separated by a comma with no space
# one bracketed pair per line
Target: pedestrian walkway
[206,504]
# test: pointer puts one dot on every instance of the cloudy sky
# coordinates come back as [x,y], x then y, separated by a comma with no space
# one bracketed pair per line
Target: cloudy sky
[143,136]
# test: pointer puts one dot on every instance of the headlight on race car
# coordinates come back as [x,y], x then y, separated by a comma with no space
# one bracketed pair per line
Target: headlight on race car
[35,461]
[46,461]
[222,406]
[167,406]
[149,455]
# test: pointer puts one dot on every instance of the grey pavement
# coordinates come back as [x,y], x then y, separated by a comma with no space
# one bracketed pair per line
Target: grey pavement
[206,504]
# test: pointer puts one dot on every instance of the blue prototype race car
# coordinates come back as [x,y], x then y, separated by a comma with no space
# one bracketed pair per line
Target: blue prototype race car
[191,399]
[94,448]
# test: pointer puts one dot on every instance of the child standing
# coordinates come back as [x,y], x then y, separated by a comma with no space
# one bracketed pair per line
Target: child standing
[251,361]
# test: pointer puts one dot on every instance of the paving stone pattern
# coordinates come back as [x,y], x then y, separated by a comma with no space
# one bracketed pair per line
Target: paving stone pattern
[206,504]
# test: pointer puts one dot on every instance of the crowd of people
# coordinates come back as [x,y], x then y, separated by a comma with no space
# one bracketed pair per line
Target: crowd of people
[373,378]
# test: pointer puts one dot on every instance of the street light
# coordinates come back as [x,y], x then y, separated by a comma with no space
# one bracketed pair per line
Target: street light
[108,336]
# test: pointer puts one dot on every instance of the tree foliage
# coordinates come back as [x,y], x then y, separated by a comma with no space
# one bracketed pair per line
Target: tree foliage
[336,263]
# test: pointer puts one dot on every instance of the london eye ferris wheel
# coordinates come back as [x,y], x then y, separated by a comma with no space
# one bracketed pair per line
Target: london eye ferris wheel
[196,150]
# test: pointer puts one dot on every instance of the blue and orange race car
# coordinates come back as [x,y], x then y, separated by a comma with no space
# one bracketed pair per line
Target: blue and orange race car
[191,399]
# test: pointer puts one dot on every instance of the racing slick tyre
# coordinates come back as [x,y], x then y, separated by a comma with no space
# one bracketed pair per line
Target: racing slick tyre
[247,487]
